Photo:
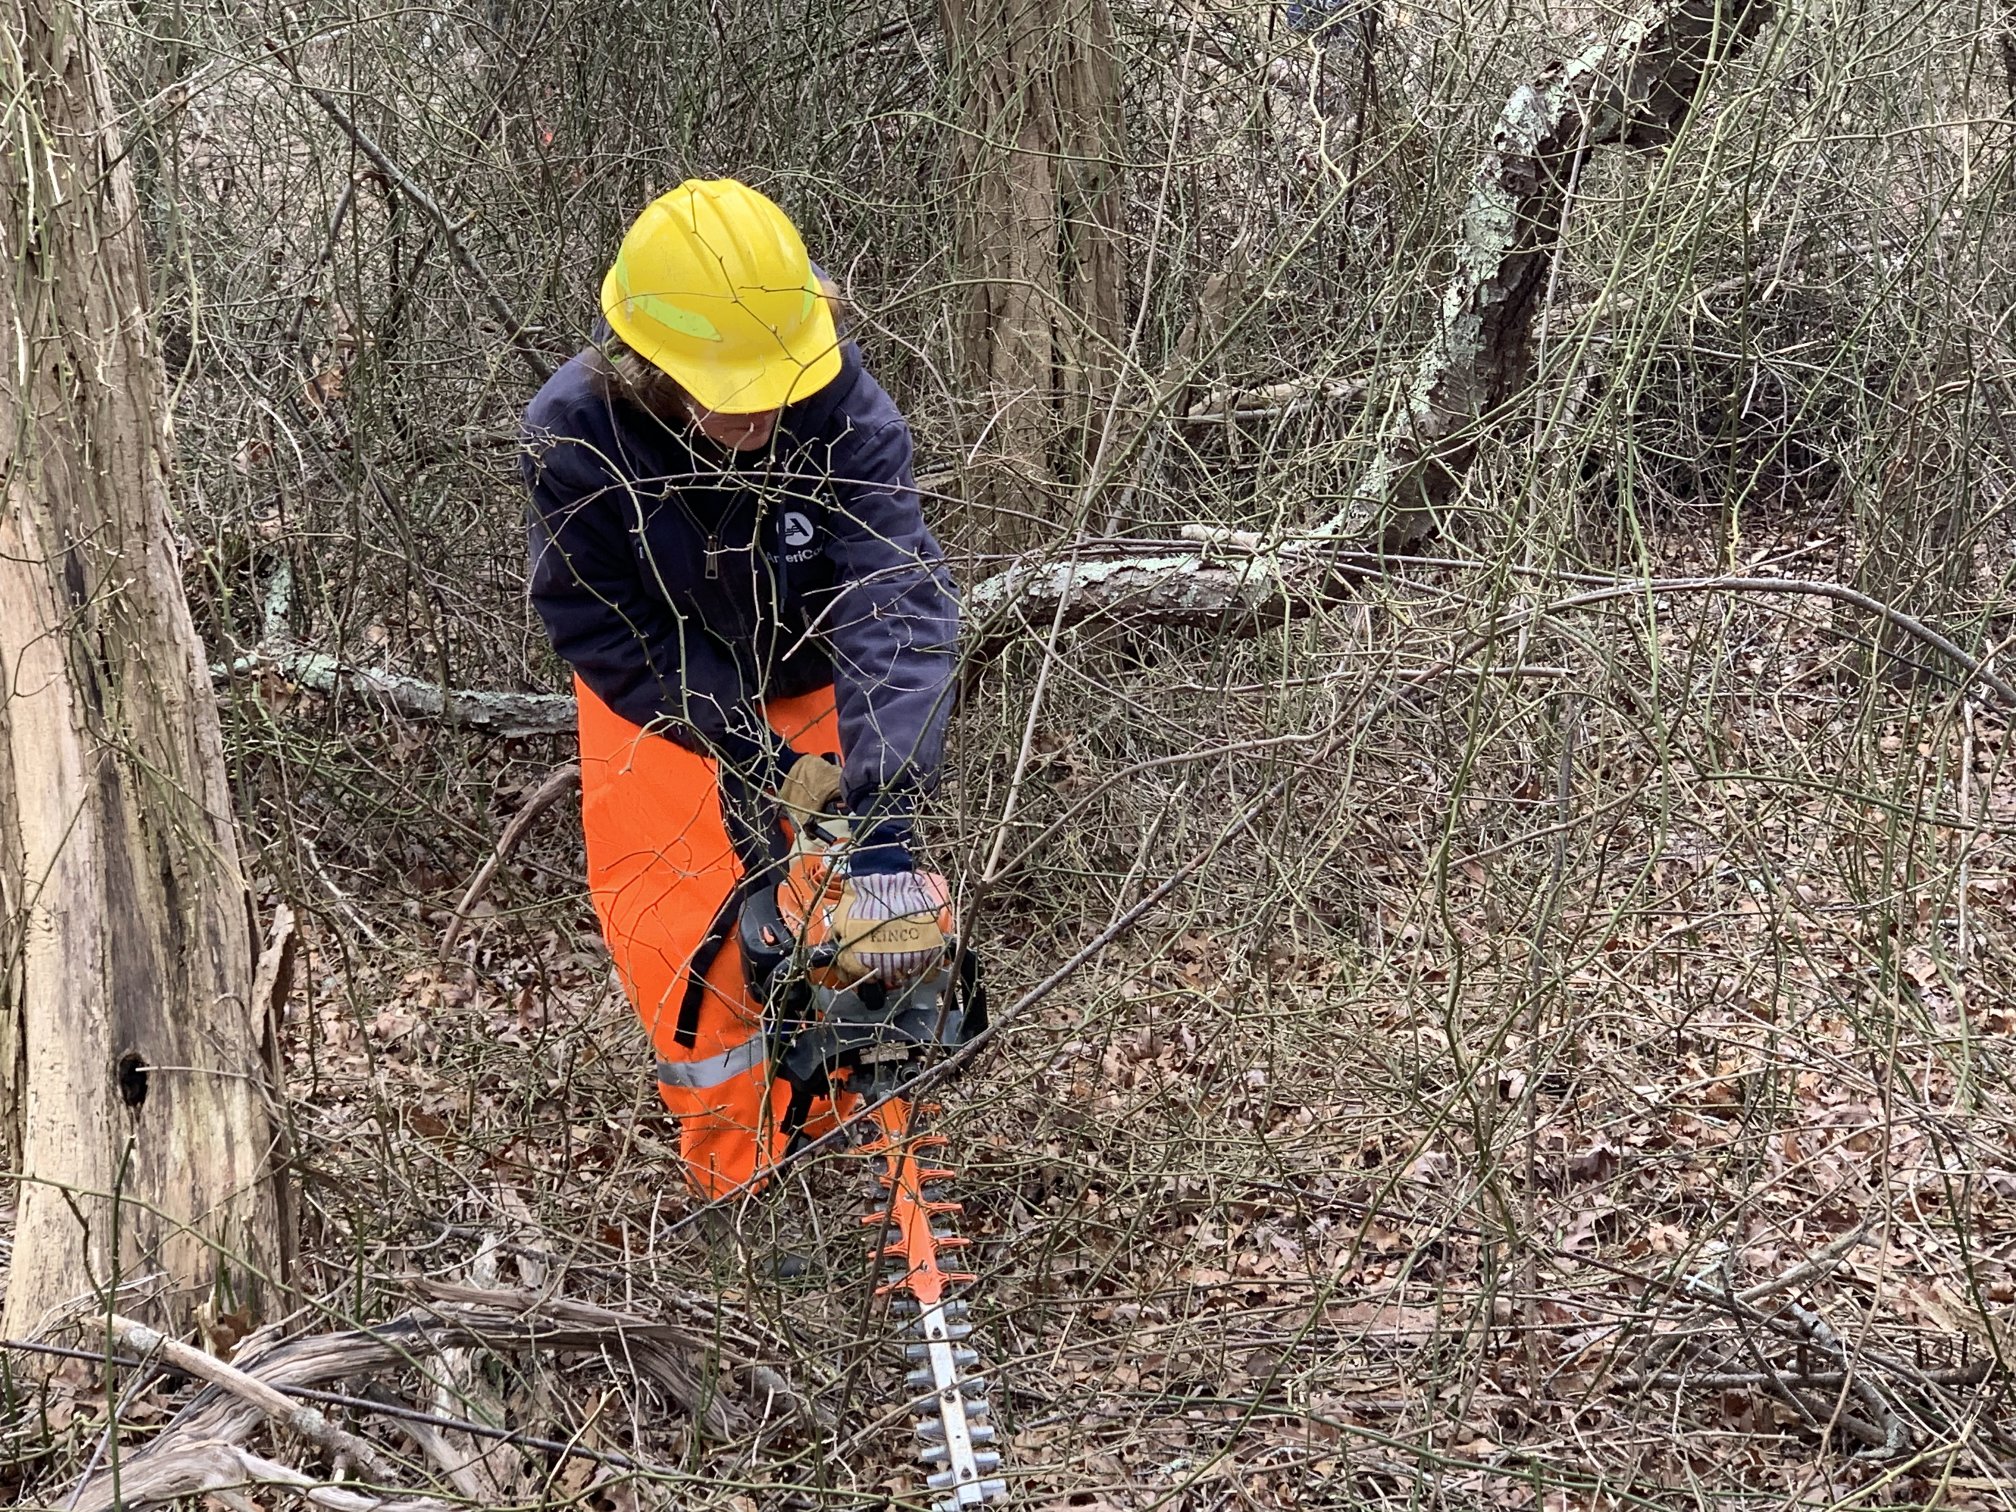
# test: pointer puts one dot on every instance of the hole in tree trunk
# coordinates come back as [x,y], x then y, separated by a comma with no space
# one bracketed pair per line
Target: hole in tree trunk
[132,1079]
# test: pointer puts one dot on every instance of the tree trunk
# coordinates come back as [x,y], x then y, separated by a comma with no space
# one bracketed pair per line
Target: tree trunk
[133,1089]
[1037,183]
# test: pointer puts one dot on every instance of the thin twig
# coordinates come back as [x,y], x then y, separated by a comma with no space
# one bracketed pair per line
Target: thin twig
[515,329]
[560,782]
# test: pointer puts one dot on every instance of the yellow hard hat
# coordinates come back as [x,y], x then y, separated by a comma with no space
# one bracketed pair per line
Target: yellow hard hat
[713,286]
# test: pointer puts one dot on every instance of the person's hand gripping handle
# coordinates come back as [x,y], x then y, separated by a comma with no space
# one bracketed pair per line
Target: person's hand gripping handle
[810,788]
[892,925]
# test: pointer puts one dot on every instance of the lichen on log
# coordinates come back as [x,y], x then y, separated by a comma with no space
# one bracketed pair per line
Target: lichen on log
[508,716]
[1184,588]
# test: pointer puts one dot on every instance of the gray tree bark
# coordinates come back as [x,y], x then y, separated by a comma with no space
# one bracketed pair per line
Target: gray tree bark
[133,1083]
[1036,180]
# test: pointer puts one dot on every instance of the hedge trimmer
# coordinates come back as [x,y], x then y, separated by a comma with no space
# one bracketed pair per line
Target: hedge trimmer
[842,1037]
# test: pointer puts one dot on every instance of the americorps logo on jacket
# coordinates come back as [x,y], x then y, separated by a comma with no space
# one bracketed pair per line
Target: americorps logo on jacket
[797,532]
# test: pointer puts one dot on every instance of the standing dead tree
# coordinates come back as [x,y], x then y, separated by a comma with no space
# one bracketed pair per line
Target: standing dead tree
[1634,89]
[132,1069]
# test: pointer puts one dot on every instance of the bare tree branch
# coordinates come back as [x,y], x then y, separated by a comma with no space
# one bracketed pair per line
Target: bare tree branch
[558,784]
[515,329]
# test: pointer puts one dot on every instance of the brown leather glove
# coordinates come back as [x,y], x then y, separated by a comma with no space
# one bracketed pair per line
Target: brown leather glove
[812,786]
[891,925]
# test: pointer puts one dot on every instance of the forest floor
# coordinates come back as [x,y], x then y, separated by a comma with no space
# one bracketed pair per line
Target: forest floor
[1634,1129]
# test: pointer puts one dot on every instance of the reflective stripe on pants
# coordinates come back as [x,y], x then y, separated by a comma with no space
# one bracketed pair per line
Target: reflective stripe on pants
[712,1070]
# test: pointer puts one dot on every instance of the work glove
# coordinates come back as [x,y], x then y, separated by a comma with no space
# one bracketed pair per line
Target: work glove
[809,788]
[891,925]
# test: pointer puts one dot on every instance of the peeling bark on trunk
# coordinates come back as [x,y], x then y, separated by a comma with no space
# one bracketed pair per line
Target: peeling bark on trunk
[1633,90]
[133,1058]
[1038,192]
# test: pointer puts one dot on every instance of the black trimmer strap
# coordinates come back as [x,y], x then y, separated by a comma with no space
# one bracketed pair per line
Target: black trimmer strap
[686,1033]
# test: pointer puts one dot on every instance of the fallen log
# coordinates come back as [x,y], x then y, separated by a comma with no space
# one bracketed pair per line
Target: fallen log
[1240,590]
[278,654]
[509,716]
[1274,400]
[1234,584]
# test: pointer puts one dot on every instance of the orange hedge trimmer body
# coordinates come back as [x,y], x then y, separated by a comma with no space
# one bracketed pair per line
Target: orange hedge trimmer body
[830,1033]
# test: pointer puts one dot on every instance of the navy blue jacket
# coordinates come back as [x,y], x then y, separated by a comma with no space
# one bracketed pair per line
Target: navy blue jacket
[685,581]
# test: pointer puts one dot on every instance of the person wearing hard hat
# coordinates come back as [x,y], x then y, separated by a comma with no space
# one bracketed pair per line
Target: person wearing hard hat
[728,550]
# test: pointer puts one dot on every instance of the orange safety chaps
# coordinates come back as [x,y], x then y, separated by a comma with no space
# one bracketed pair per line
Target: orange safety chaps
[662,871]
